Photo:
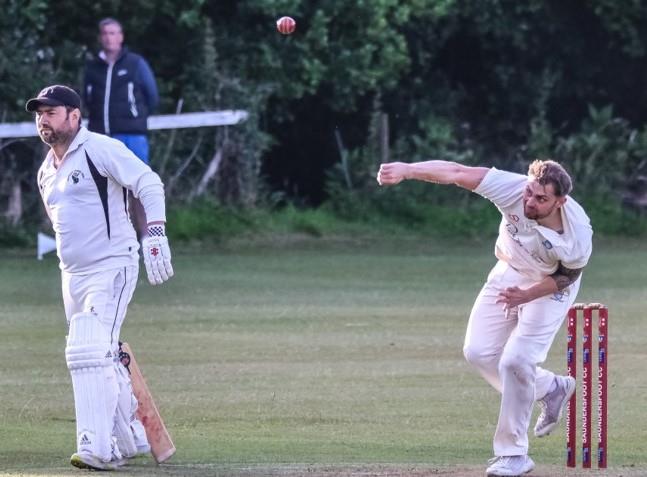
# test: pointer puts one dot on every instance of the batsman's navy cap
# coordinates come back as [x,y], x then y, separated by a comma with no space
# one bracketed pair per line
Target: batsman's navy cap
[55,95]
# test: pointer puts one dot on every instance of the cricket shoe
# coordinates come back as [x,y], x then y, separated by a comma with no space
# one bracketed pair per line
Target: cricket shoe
[86,460]
[83,460]
[552,405]
[509,466]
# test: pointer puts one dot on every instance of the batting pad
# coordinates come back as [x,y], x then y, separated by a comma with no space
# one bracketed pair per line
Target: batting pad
[126,408]
[90,361]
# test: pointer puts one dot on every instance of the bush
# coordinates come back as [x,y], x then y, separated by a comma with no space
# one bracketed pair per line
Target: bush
[15,235]
[609,218]
[205,220]
[604,156]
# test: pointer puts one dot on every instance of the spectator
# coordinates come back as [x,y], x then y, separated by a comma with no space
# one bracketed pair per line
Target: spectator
[120,92]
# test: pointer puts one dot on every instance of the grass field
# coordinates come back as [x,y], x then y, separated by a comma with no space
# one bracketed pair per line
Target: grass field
[310,357]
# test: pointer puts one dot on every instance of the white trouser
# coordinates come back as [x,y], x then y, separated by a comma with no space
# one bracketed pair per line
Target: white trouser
[104,294]
[104,297]
[507,349]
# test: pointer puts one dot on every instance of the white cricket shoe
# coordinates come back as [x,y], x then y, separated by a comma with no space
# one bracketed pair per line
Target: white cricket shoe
[84,460]
[509,466]
[552,405]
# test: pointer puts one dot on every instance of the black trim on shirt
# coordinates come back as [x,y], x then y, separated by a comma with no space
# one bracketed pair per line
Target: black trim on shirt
[125,194]
[102,187]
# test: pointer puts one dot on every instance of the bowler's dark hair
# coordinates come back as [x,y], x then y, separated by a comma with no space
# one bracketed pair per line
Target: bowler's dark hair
[550,172]
[110,21]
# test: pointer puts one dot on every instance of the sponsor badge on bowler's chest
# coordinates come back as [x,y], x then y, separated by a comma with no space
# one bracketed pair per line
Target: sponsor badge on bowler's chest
[524,233]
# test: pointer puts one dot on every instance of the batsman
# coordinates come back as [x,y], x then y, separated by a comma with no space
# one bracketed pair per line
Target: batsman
[84,182]
[544,242]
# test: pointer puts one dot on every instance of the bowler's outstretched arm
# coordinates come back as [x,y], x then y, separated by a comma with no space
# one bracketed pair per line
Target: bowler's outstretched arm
[440,172]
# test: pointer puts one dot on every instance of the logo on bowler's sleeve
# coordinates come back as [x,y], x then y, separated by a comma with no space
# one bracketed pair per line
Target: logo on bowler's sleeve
[512,229]
[560,295]
[75,176]
[547,245]
[513,217]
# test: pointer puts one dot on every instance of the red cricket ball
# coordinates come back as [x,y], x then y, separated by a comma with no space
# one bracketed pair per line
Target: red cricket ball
[286,25]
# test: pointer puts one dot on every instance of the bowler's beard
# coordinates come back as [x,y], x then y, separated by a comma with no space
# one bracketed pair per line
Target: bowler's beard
[530,213]
[533,214]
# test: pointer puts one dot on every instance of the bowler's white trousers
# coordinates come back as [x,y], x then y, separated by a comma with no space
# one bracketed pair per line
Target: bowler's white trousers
[507,348]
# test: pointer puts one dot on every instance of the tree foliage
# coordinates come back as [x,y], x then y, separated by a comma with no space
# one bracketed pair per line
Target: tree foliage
[478,80]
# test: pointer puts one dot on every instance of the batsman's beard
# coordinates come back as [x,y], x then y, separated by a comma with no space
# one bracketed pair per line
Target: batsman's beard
[51,136]
[48,135]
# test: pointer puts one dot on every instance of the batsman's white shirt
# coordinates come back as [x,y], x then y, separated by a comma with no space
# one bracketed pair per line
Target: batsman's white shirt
[532,249]
[86,200]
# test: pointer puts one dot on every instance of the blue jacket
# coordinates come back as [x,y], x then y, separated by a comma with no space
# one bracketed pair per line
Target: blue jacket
[132,94]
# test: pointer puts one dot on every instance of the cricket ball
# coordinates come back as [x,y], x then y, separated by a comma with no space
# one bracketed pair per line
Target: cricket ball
[286,25]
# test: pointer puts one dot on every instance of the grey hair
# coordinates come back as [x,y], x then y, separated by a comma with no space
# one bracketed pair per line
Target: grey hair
[110,21]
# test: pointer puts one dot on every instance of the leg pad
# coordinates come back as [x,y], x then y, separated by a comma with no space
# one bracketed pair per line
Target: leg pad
[91,363]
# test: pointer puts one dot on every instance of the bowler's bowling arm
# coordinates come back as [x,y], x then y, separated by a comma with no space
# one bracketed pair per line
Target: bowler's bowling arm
[439,172]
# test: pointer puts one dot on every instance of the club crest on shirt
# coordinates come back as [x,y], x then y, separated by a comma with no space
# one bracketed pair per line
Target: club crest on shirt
[75,176]
[547,245]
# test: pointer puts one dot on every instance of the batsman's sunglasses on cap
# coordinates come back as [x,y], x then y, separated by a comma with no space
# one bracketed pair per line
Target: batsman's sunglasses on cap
[56,95]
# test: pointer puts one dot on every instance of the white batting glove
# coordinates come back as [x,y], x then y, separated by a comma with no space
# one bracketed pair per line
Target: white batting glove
[157,255]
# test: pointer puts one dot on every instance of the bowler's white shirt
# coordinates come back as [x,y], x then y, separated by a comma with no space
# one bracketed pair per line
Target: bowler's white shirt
[532,249]
[85,199]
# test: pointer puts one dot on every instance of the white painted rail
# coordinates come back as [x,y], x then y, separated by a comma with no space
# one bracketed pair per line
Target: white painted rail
[160,121]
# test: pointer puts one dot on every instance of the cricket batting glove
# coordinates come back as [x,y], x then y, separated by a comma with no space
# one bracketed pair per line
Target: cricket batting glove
[157,255]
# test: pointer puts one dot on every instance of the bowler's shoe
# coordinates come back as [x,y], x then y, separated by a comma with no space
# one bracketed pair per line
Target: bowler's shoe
[552,405]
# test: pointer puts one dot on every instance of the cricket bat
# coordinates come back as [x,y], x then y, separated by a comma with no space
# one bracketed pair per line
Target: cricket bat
[159,439]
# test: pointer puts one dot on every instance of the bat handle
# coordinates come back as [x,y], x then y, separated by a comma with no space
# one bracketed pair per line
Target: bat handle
[124,358]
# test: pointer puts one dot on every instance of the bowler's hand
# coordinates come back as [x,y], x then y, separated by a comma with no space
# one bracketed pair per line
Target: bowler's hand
[392,173]
[157,255]
[512,297]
